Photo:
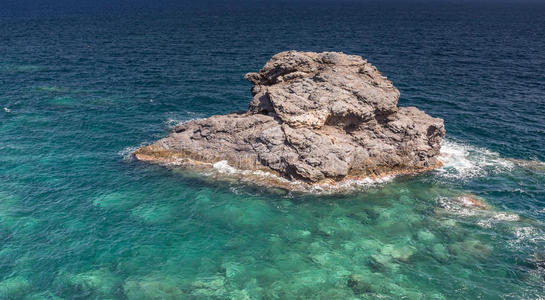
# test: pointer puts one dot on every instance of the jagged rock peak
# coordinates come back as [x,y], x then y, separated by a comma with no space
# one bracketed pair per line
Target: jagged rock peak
[314,89]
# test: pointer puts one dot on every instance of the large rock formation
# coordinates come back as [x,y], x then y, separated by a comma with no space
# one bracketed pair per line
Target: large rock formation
[314,117]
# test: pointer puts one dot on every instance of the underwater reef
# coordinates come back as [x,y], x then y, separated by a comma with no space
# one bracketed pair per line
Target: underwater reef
[314,118]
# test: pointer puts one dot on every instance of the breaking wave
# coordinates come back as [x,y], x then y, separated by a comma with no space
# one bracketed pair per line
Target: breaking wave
[223,167]
[174,121]
[461,161]
[126,153]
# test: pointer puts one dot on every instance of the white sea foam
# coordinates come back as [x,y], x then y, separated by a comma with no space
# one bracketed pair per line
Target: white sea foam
[126,153]
[496,217]
[463,207]
[509,217]
[171,123]
[457,207]
[462,161]
[224,168]
[350,184]
[527,234]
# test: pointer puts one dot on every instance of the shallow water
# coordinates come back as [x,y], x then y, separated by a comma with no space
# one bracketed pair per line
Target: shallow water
[80,220]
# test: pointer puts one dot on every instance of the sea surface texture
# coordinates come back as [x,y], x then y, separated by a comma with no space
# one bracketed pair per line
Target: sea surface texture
[83,86]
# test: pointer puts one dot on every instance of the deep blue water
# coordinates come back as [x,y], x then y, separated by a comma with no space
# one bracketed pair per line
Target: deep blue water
[80,220]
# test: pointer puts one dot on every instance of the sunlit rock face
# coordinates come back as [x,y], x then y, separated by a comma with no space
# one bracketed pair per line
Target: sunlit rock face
[314,117]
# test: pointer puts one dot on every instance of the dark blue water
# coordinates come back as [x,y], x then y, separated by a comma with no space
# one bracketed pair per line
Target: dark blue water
[80,220]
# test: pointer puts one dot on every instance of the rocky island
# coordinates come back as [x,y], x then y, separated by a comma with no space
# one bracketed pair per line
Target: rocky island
[314,118]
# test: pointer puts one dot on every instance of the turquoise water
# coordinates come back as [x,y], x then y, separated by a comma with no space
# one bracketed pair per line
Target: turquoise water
[79,219]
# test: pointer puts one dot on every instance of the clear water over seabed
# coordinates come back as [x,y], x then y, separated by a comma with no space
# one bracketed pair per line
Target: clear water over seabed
[78,220]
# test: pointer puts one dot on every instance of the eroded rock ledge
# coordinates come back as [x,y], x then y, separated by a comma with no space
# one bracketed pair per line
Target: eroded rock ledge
[314,117]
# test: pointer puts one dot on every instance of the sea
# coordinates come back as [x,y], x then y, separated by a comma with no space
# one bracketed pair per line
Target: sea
[85,83]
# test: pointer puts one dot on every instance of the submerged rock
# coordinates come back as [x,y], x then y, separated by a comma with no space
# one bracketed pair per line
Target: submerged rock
[358,284]
[538,263]
[99,283]
[470,248]
[314,118]
[209,287]
[153,288]
[472,201]
[440,252]
[14,288]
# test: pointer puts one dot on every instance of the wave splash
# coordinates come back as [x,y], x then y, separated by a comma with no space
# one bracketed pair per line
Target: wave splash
[223,167]
[461,161]
[180,119]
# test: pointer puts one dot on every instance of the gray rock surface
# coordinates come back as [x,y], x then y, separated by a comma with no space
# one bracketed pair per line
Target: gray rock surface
[314,117]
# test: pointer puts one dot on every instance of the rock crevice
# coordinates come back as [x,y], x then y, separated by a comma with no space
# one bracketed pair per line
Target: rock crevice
[313,117]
